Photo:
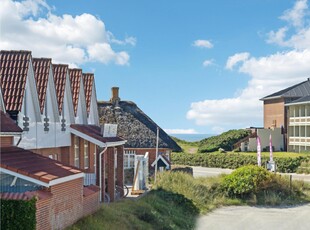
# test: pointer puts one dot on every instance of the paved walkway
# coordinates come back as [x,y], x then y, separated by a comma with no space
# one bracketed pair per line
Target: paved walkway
[256,218]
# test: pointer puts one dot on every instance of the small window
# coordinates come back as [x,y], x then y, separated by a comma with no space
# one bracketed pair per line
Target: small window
[86,154]
[129,159]
[76,151]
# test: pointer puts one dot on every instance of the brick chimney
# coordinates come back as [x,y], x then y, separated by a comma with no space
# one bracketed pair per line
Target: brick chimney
[115,98]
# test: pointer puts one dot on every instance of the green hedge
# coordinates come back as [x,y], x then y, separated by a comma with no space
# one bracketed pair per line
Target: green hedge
[18,214]
[233,161]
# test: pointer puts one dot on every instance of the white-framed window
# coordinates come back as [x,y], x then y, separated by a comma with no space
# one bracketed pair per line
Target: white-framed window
[86,154]
[129,159]
[76,151]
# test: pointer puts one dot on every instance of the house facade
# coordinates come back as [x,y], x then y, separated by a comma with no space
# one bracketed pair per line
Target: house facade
[56,108]
[288,109]
[137,128]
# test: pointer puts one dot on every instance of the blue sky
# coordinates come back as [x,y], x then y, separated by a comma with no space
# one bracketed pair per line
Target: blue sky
[192,66]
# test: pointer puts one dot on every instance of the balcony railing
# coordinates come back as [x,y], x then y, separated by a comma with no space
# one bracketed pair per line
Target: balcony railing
[299,121]
[299,141]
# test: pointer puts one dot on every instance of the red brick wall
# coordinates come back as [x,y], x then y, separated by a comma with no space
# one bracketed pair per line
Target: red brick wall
[111,173]
[6,141]
[43,216]
[91,204]
[67,203]
[65,206]
[274,110]
[120,168]
[151,151]
[55,152]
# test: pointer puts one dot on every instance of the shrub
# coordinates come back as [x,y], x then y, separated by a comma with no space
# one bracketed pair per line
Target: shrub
[304,167]
[245,181]
[233,161]
[18,214]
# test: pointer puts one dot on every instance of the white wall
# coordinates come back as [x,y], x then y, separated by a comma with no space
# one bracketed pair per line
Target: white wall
[264,134]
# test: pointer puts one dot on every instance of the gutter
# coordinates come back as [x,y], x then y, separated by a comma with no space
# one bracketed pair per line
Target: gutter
[100,170]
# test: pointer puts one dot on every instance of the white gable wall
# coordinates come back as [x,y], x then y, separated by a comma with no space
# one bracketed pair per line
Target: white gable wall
[30,108]
[93,118]
[63,138]
[47,139]
[81,115]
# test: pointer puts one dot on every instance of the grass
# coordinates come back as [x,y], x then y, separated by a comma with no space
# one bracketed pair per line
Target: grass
[177,199]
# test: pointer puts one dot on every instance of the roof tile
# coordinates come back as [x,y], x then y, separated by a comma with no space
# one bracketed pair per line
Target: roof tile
[13,75]
[7,125]
[33,165]
[88,79]
[75,79]
[60,73]
[41,67]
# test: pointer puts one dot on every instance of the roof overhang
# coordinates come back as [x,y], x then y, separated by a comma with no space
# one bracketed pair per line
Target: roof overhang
[6,134]
[96,141]
[39,182]
[298,103]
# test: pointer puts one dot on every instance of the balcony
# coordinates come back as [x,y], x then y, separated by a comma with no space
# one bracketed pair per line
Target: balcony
[303,141]
[299,121]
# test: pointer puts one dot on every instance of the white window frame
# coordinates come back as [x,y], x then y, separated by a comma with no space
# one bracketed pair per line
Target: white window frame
[129,157]
[86,154]
[77,151]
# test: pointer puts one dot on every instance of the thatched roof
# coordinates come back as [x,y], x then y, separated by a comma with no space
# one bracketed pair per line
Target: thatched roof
[134,125]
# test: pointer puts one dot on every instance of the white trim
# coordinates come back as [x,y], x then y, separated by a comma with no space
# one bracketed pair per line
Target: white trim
[51,183]
[52,90]
[33,92]
[2,105]
[95,141]
[297,103]
[67,178]
[9,134]
[163,159]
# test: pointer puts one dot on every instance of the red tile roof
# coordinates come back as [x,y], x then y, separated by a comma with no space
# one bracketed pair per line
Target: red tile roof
[7,125]
[88,79]
[60,74]
[41,67]
[40,195]
[75,78]
[14,67]
[33,165]
[94,132]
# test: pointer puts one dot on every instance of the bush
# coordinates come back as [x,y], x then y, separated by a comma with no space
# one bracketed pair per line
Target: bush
[245,181]
[18,214]
[304,167]
[233,161]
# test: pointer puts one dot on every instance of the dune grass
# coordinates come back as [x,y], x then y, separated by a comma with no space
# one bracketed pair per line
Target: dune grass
[177,199]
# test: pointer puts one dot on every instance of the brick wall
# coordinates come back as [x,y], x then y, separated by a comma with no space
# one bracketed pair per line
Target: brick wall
[67,203]
[274,110]
[111,173]
[91,204]
[6,141]
[65,206]
[120,168]
[151,151]
[56,153]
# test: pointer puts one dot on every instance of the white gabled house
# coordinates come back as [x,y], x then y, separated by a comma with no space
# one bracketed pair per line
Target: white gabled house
[46,129]
[91,99]
[65,104]
[20,94]
[78,96]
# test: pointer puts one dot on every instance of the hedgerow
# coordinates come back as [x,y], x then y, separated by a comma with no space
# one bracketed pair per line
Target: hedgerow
[233,161]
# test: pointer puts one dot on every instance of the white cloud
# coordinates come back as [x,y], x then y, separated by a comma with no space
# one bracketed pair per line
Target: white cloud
[296,15]
[207,63]
[203,44]
[31,25]
[180,131]
[235,59]
[268,74]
